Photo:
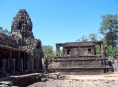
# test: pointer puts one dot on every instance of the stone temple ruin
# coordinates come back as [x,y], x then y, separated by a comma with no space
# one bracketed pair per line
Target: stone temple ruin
[20,51]
[79,57]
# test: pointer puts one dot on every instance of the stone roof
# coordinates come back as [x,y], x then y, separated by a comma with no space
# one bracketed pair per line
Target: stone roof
[22,21]
[8,41]
[76,44]
[11,48]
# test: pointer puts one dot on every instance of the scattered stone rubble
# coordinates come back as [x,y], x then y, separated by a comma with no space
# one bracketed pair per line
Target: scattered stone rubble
[28,79]
[81,81]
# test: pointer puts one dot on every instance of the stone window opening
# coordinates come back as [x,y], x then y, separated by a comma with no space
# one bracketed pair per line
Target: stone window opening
[89,50]
[68,51]
[61,51]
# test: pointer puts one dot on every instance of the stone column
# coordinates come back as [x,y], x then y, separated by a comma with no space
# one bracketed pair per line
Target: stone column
[25,62]
[64,52]
[43,63]
[9,62]
[86,51]
[46,63]
[95,50]
[31,64]
[4,66]
[57,50]
[101,49]
[19,61]
[13,65]
[37,63]
[21,65]
[8,65]
[28,65]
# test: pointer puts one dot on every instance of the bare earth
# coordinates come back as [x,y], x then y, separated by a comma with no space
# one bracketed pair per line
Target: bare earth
[109,80]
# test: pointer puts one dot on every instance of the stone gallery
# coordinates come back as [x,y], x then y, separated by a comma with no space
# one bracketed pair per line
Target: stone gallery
[80,57]
[20,51]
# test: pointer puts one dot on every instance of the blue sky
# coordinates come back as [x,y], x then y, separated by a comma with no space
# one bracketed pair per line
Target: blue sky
[59,21]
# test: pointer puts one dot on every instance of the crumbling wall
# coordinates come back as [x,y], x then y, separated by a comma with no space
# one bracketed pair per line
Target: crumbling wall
[21,38]
[76,64]
[79,51]
[8,41]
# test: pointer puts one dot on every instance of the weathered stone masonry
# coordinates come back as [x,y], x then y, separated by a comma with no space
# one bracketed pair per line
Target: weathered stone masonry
[79,57]
[79,48]
[20,52]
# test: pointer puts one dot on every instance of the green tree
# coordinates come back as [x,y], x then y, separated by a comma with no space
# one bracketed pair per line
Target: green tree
[4,31]
[115,53]
[108,50]
[1,29]
[98,50]
[93,37]
[109,28]
[48,52]
[83,39]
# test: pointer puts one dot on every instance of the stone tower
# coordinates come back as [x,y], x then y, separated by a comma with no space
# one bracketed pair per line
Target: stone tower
[20,52]
[22,24]
[21,30]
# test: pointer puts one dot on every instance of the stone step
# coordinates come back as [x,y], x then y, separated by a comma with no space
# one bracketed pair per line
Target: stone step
[86,56]
[83,68]
[89,70]
[78,59]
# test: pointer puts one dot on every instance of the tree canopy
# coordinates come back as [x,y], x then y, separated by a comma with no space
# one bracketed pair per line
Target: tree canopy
[4,31]
[91,37]
[109,28]
[48,52]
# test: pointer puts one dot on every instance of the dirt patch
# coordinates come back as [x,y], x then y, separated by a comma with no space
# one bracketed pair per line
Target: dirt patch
[77,83]
[81,81]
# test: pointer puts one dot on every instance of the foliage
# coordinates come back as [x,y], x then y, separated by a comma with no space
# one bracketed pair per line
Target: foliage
[110,51]
[48,52]
[83,39]
[97,50]
[109,28]
[115,53]
[61,52]
[91,37]
[4,31]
